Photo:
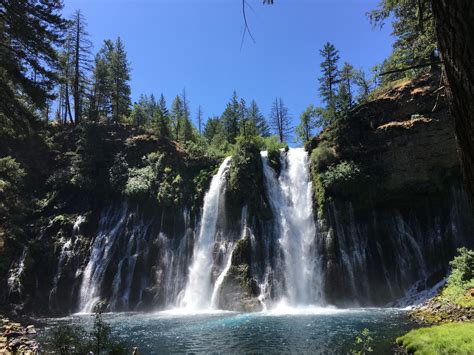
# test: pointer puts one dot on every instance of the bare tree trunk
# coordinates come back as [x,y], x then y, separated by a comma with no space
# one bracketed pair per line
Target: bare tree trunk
[77,103]
[455,30]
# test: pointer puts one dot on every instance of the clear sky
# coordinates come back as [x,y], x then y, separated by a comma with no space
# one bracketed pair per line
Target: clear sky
[196,44]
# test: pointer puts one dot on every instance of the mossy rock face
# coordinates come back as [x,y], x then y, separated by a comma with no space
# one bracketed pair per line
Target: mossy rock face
[239,291]
[245,184]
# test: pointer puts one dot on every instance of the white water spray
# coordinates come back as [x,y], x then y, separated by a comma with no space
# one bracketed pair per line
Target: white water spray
[290,196]
[198,292]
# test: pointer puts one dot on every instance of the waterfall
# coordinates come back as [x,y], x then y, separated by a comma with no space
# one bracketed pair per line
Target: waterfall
[198,292]
[290,196]
[101,254]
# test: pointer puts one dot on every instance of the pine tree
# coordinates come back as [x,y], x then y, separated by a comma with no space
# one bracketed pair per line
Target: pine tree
[243,119]
[330,75]
[280,120]
[119,77]
[347,79]
[161,119]
[30,31]
[177,112]
[64,75]
[414,29]
[100,102]
[212,128]
[186,132]
[364,84]
[304,130]
[258,120]
[81,50]
[343,101]
[231,117]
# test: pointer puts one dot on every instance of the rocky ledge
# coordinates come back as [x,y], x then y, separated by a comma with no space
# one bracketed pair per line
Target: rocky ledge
[436,310]
[17,339]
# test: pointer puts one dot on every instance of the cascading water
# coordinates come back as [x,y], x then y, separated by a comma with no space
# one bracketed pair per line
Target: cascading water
[290,196]
[198,292]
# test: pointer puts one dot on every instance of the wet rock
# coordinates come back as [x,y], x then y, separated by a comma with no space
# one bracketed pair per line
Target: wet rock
[16,339]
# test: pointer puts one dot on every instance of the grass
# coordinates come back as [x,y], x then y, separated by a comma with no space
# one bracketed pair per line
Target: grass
[449,338]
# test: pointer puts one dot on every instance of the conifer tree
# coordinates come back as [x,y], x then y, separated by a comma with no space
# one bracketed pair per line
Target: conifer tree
[81,51]
[304,130]
[119,77]
[30,31]
[258,120]
[177,112]
[100,102]
[231,119]
[280,120]
[330,75]
[186,132]
[199,119]
[414,29]
[347,79]
[161,119]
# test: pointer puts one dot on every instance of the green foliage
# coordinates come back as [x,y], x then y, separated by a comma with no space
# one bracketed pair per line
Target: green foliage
[245,179]
[323,156]
[30,32]
[169,190]
[118,173]
[341,177]
[231,119]
[461,279]
[75,340]
[413,27]
[93,158]
[12,200]
[69,340]
[330,74]
[304,130]
[450,338]
[363,343]
[143,182]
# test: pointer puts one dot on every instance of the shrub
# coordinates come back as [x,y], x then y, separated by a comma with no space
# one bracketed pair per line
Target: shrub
[460,279]
[363,343]
[118,173]
[75,340]
[323,156]
[143,182]
[341,177]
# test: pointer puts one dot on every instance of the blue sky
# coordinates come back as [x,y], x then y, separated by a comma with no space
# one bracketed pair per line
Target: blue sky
[196,44]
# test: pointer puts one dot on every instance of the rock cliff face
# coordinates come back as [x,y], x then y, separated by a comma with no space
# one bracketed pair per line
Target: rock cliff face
[398,227]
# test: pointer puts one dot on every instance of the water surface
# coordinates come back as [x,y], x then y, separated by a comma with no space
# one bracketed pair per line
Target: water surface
[304,330]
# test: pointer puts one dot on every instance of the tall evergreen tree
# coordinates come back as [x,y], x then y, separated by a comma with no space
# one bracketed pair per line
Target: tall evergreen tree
[177,112]
[330,75]
[347,79]
[280,120]
[161,119]
[414,30]
[100,102]
[119,77]
[65,78]
[212,128]
[81,51]
[259,121]
[30,31]
[231,118]
[186,132]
